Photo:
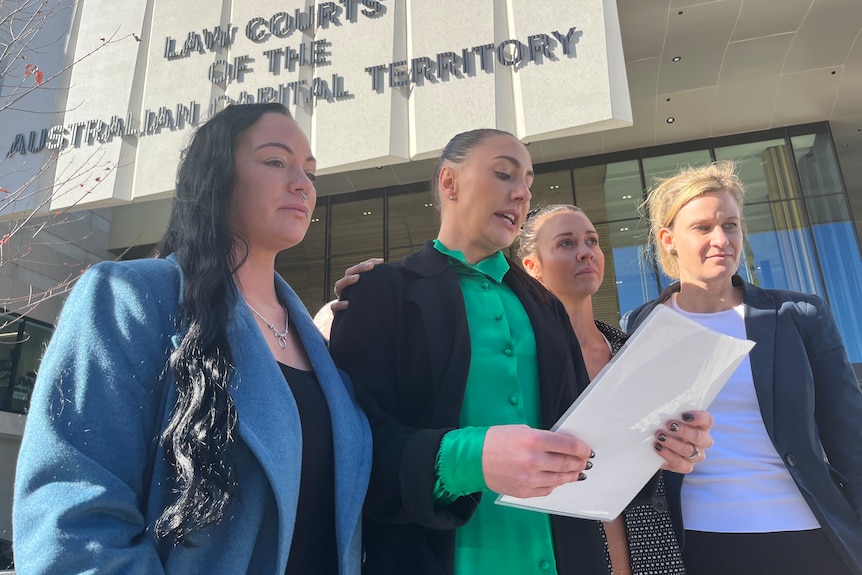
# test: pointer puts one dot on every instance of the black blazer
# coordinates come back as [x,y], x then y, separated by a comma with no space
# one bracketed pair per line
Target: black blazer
[810,402]
[405,343]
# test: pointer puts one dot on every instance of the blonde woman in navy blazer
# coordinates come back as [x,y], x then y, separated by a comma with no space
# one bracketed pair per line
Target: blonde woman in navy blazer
[187,416]
[806,391]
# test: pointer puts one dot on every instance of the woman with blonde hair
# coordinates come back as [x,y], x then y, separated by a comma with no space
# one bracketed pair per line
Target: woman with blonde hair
[781,490]
[559,246]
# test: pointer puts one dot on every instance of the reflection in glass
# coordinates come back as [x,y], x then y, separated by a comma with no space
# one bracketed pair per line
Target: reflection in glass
[765,168]
[551,188]
[817,165]
[22,343]
[842,266]
[666,166]
[630,277]
[610,195]
[412,220]
[302,266]
[779,252]
[609,192]
[357,234]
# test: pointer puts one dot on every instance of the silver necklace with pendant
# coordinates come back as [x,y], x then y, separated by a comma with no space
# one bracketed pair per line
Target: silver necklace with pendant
[280,336]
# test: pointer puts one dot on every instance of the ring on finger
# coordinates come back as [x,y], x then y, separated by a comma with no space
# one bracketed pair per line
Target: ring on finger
[696,453]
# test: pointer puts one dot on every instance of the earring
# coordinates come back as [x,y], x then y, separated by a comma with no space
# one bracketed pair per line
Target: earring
[452,198]
[673,252]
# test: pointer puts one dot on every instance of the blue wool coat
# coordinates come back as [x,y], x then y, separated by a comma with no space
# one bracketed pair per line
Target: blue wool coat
[92,479]
[810,403]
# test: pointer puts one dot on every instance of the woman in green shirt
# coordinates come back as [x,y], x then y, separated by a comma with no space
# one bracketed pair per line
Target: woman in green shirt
[460,359]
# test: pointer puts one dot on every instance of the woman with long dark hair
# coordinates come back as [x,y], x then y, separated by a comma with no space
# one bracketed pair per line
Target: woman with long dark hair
[187,417]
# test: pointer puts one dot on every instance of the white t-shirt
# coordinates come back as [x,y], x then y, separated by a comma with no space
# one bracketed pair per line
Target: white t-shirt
[743,485]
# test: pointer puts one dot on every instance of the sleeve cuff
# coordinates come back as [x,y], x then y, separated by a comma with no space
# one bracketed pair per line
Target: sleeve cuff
[459,464]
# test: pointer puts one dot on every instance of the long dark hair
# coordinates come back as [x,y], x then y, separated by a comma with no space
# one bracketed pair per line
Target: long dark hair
[198,437]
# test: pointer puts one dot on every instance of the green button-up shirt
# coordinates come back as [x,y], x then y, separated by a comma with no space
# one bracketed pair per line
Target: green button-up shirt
[502,388]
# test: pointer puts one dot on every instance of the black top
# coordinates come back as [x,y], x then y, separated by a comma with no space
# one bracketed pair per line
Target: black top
[313,548]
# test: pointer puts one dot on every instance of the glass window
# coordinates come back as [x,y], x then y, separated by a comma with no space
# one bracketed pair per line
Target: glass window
[551,188]
[840,259]
[303,265]
[765,168]
[816,163]
[22,343]
[412,221]
[670,164]
[609,192]
[779,252]
[610,195]
[356,233]
[630,277]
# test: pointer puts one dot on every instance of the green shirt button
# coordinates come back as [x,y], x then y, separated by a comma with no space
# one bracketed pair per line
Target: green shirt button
[508,352]
[544,565]
[499,317]
[513,399]
[485,285]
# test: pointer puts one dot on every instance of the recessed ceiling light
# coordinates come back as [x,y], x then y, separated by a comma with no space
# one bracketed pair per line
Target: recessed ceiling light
[670,120]
[676,58]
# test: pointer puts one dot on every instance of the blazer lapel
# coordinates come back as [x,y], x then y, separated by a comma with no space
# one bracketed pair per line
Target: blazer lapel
[268,418]
[444,319]
[760,325]
[351,435]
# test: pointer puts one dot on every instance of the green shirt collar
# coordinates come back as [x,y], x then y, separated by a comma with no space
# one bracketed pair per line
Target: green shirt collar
[494,266]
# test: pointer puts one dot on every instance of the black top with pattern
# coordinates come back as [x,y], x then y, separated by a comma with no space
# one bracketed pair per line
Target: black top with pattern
[653,546]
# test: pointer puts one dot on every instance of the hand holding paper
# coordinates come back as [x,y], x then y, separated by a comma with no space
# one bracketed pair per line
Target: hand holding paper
[670,365]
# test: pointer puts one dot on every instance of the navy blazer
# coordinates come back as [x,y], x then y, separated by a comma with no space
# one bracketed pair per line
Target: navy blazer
[405,342]
[810,402]
[91,477]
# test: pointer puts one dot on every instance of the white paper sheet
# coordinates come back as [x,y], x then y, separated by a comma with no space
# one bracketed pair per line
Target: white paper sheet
[670,365]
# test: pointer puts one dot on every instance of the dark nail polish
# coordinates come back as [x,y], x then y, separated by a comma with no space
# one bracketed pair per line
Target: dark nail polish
[589,465]
[662,437]
[592,453]
[658,447]
[674,426]
[582,476]
[687,417]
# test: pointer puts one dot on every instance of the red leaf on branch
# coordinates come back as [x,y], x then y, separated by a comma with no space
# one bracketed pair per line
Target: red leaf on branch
[39,76]
[4,240]
[3,190]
